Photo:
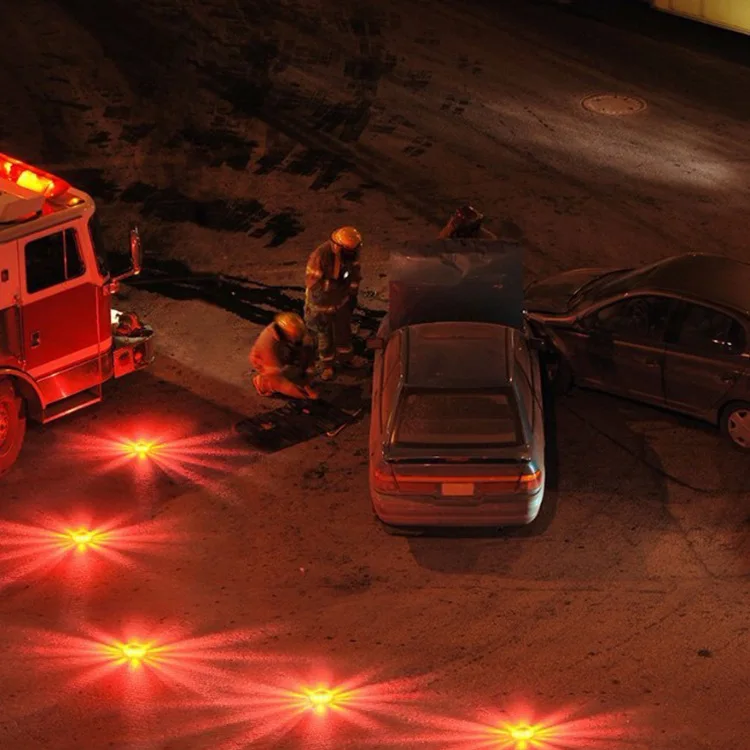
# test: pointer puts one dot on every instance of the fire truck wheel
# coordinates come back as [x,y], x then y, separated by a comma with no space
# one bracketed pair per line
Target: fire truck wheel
[12,425]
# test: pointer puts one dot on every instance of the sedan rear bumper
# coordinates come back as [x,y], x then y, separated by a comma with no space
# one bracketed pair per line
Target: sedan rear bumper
[514,510]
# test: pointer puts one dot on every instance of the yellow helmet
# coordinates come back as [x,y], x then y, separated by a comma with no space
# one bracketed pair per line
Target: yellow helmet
[347,237]
[291,325]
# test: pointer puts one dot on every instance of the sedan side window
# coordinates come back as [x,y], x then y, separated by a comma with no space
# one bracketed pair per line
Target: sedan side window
[706,331]
[643,318]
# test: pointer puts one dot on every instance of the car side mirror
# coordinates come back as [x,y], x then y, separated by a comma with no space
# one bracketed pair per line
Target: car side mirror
[136,261]
[136,251]
[375,344]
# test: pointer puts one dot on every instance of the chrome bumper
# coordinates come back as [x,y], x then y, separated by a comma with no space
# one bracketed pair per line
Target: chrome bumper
[133,353]
[513,510]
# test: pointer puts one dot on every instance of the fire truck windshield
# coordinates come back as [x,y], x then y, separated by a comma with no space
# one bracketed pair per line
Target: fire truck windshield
[95,230]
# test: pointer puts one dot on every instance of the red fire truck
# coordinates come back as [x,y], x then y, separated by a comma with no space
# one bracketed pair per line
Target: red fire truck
[60,338]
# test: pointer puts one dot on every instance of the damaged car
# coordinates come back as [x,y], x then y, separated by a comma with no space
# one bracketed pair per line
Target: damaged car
[673,334]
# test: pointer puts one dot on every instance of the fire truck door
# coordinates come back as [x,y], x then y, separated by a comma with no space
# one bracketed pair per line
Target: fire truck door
[60,298]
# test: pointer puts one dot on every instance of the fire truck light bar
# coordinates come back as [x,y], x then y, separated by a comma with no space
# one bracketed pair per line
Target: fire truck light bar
[17,203]
[37,180]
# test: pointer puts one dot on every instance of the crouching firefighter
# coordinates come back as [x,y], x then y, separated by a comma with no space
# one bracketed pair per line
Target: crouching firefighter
[283,358]
[466,223]
[332,279]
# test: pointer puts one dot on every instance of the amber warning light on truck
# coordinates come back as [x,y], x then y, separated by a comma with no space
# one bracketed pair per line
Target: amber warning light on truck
[31,178]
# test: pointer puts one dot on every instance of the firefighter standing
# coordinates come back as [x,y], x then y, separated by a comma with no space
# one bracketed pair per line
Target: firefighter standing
[283,358]
[332,279]
[466,223]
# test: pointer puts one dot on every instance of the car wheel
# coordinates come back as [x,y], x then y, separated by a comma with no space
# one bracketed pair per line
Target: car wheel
[12,425]
[735,424]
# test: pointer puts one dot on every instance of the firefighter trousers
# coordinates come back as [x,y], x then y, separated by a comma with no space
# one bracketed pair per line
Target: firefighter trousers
[295,387]
[333,332]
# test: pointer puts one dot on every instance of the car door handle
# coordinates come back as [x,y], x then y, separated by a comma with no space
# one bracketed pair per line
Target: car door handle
[36,339]
[651,362]
[730,377]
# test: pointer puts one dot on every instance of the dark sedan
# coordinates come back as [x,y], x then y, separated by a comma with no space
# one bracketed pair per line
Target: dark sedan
[674,334]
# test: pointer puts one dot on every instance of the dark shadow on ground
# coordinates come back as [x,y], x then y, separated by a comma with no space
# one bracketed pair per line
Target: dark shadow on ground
[729,464]
[605,469]
[250,300]
[295,422]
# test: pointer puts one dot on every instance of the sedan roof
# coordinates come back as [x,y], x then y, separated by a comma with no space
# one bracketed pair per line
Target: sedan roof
[458,355]
[711,278]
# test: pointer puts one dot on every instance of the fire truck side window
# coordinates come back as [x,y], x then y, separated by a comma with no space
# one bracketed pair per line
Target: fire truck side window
[52,260]
[97,241]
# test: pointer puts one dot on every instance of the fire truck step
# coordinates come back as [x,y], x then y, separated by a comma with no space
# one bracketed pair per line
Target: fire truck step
[72,404]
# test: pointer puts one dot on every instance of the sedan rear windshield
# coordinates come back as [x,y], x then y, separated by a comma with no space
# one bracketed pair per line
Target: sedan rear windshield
[450,418]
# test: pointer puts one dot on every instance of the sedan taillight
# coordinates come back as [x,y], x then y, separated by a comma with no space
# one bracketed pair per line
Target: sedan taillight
[383,478]
[512,483]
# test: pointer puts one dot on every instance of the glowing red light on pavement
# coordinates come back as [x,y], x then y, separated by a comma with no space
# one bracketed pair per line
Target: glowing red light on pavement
[321,707]
[146,656]
[161,450]
[76,546]
[518,730]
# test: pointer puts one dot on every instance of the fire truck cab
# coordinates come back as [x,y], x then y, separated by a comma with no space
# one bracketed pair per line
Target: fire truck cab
[60,339]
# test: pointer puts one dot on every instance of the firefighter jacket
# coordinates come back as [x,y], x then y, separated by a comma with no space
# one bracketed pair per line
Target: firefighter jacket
[331,279]
[272,354]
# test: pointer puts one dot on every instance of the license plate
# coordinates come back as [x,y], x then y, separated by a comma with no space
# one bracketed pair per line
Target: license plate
[458,490]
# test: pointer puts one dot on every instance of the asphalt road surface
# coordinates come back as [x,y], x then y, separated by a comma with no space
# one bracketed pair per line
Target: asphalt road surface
[238,134]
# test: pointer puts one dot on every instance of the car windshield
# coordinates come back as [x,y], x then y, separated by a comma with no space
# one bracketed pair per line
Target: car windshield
[457,418]
[613,284]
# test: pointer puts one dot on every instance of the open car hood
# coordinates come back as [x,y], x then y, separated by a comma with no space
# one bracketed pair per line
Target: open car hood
[456,281]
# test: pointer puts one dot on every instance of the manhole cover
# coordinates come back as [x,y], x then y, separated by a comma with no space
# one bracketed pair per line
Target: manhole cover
[614,104]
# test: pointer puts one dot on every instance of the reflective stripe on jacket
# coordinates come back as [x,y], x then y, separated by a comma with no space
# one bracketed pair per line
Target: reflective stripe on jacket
[331,279]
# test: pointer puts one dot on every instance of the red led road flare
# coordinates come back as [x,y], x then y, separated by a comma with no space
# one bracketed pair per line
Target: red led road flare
[81,538]
[134,653]
[141,449]
[321,699]
[523,734]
